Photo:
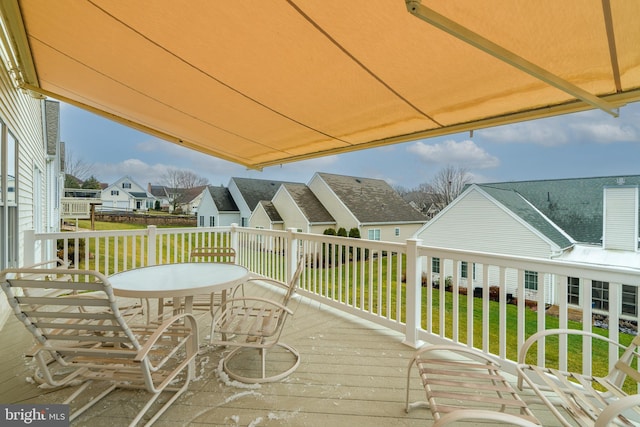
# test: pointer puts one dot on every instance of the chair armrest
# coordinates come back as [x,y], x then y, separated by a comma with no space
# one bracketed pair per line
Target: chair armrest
[244,300]
[522,355]
[615,408]
[160,330]
[472,353]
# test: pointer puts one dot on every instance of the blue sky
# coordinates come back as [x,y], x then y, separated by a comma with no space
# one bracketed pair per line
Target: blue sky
[578,145]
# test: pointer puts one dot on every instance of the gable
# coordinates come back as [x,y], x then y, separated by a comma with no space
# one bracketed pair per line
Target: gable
[474,222]
[371,200]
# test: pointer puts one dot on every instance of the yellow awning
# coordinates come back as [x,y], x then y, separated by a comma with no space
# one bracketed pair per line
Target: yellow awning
[268,82]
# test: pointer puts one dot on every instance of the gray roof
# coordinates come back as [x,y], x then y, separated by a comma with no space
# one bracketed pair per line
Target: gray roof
[574,205]
[311,207]
[255,190]
[139,194]
[519,206]
[271,211]
[158,190]
[372,200]
[222,198]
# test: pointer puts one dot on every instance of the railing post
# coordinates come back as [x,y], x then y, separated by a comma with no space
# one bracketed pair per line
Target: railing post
[152,256]
[292,252]
[29,247]
[413,294]
[234,236]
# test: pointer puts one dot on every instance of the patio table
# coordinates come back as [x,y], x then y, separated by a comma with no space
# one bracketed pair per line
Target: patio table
[181,281]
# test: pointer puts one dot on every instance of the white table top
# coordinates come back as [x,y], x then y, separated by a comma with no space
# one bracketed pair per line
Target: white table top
[177,280]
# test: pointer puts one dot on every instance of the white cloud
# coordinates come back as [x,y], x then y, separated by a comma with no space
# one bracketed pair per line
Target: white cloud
[465,154]
[546,133]
[605,133]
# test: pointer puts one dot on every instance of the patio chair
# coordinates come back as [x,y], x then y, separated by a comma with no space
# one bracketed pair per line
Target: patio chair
[465,384]
[213,254]
[82,338]
[61,274]
[256,323]
[585,400]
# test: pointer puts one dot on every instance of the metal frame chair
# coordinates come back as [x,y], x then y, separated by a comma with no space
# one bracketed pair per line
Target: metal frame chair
[82,337]
[464,384]
[256,323]
[586,400]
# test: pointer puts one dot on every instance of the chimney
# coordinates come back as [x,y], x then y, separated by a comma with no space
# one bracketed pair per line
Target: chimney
[620,218]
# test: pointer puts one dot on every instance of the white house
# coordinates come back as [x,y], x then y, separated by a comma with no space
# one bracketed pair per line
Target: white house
[299,208]
[125,194]
[248,192]
[266,216]
[587,220]
[217,208]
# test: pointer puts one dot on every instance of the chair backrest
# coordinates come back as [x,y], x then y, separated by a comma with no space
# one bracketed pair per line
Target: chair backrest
[626,364]
[294,282]
[78,316]
[213,254]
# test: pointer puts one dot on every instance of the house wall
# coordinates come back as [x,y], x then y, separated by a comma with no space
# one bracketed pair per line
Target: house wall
[22,115]
[477,224]
[206,210]
[342,215]
[388,231]
[260,219]
[290,212]
[245,212]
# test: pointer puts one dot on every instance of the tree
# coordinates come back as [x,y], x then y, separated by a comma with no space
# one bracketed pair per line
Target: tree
[449,183]
[77,168]
[91,183]
[180,185]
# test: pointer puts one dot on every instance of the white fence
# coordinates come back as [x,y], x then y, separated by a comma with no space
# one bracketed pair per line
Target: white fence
[418,290]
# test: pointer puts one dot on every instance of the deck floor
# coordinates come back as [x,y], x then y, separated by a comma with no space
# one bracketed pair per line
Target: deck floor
[352,373]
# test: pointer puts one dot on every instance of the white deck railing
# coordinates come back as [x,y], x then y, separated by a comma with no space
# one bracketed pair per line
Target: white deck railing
[429,294]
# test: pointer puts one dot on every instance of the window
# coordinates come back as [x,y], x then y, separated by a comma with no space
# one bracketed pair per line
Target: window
[114,192]
[600,295]
[8,197]
[464,269]
[573,290]
[374,234]
[212,221]
[531,280]
[243,222]
[397,231]
[435,265]
[201,223]
[126,185]
[629,298]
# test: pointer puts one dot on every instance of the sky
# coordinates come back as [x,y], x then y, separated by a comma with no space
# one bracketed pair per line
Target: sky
[579,145]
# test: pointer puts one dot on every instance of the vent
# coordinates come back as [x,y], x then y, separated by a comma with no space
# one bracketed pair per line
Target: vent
[620,218]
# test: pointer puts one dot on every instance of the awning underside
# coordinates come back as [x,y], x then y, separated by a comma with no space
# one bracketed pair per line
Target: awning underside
[268,82]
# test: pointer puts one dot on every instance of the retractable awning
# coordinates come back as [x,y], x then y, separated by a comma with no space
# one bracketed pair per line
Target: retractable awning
[267,82]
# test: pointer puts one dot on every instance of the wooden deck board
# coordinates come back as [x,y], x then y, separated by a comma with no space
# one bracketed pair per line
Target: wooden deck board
[351,374]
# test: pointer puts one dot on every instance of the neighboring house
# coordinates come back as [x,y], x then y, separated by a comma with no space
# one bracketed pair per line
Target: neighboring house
[217,208]
[588,220]
[370,205]
[161,195]
[127,195]
[248,192]
[299,208]
[191,199]
[266,216]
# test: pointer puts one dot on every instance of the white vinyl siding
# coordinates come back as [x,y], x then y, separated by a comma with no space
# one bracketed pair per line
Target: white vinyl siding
[621,218]
[475,223]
